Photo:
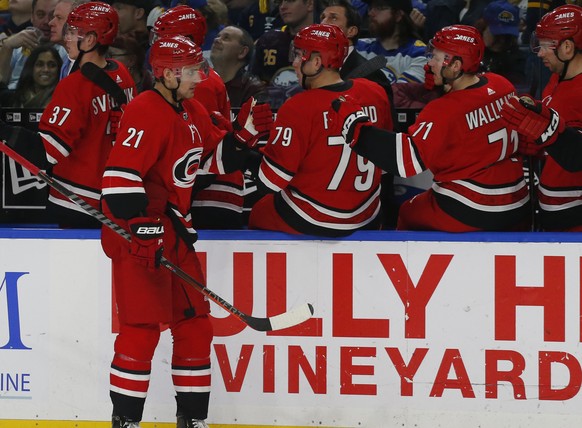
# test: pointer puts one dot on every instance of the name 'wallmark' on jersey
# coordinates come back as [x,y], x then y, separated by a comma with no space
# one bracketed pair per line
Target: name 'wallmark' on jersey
[487,114]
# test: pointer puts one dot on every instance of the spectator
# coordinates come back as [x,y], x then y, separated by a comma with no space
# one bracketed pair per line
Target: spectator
[76,132]
[56,24]
[259,17]
[20,18]
[39,78]
[230,55]
[133,15]
[314,186]
[126,50]
[554,124]
[16,48]
[478,184]
[272,48]
[396,39]
[500,29]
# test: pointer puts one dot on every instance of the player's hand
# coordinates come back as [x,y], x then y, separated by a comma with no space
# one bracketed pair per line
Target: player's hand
[253,122]
[220,121]
[533,120]
[147,241]
[346,117]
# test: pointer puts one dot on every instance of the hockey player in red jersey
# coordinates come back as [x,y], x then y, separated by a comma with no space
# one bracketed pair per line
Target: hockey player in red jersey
[459,137]
[557,40]
[77,128]
[316,185]
[218,199]
[147,188]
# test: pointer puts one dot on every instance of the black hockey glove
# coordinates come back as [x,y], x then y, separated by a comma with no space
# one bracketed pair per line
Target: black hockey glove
[147,241]
[346,118]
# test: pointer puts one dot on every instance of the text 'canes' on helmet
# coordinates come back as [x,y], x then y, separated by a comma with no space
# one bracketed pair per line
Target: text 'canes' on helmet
[181,21]
[97,17]
[179,54]
[327,40]
[562,23]
[462,41]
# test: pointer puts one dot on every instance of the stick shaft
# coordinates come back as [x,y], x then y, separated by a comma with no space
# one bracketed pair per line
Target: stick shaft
[119,230]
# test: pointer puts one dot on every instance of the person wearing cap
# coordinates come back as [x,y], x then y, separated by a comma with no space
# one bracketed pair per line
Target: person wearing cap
[478,184]
[395,38]
[551,128]
[500,29]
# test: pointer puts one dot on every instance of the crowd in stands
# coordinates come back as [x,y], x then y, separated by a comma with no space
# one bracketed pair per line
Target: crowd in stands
[248,46]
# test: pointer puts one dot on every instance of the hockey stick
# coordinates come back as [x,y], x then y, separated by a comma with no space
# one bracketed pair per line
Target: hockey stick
[288,319]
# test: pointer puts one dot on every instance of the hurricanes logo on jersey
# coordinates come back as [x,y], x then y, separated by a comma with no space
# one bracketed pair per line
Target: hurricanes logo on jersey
[185,168]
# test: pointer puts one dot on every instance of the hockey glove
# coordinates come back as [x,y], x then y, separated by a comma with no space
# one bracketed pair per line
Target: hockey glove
[347,118]
[147,243]
[253,122]
[533,120]
[428,78]
[220,121]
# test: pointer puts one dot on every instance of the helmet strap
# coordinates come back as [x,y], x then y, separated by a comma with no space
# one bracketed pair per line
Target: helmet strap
[305,76]
[458,76]
[566,62]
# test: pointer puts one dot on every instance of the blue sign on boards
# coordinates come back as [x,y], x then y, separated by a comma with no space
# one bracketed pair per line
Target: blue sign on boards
[10,286]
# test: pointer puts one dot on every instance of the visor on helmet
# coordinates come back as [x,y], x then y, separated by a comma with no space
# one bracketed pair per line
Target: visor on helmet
[537,44]
[72,34]
[193,73]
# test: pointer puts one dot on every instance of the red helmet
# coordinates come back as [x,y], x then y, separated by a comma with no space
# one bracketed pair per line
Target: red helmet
[564,22]
[461,41]
[175,53]
[181,21]
[97,17]
[328,40]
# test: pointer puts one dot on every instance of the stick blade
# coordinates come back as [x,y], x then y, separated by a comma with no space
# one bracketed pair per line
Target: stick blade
[291,318]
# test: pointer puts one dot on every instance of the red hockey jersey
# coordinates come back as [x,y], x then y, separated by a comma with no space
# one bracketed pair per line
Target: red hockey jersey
[560,191]
[220,203]
[460,139]
[323,187]
[76,131]
[152,168]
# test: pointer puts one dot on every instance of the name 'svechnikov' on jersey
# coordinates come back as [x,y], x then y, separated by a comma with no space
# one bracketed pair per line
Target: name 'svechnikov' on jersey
[105,102]
[488,113]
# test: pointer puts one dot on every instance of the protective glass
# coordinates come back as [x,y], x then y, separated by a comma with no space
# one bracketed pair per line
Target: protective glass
[536,44]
